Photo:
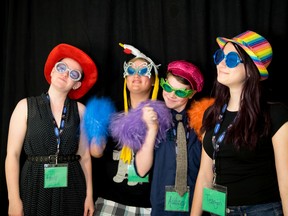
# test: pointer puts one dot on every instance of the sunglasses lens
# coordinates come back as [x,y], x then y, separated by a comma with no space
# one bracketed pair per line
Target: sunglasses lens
[167,87]
[232,59]
[75,75]
[218,56]
[181,93]
[143,71]
[61,67]
[131,70]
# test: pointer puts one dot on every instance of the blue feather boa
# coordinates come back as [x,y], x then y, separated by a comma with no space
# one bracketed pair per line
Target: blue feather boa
[97,117]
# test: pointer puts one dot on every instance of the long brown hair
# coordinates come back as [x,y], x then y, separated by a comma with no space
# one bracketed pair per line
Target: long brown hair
[253,121]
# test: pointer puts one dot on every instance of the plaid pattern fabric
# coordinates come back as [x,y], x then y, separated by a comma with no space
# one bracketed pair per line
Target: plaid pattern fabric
[105,207]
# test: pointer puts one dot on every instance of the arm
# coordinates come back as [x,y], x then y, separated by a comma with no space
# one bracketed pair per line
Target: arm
[144,157]
[280,145]
[16,135]
[96,149]
[86,165]
[205,177]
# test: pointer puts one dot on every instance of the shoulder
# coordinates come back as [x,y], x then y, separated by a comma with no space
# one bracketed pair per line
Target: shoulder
[21,105]
[278,115]
[276,107]
[80,105]
[278,111]
[20,110]
[81,108]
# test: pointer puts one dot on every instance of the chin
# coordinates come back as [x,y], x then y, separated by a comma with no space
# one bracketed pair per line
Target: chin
[169,105]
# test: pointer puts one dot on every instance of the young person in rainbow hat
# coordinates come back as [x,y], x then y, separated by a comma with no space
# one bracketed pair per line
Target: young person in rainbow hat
[244,160]
[175,161]
[56,178]
[122,192]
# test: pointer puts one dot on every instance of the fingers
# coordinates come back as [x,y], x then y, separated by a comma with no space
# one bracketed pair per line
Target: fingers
[149,115]
[154,118]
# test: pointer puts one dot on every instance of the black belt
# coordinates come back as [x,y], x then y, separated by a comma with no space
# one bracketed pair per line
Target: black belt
[52,158]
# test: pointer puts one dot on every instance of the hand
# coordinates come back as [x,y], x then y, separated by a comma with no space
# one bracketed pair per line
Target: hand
[15,208]
[150,117]
[88,207]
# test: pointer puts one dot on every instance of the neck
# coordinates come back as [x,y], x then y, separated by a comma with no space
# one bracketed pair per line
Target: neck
[56,97]
[136,99]
[234,101]
[57,100]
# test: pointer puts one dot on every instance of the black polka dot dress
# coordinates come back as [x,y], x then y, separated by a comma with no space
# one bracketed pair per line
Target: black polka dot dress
[40,140]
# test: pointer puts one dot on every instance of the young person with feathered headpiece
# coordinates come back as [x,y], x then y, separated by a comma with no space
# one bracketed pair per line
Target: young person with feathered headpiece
[119,189]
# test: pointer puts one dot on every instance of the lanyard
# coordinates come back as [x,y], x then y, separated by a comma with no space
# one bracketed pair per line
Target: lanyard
[59,130]
[216,142]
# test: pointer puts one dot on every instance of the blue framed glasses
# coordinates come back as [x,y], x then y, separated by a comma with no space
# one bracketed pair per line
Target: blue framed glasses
[142,70]
[232,59]
[182,93]
[61,67]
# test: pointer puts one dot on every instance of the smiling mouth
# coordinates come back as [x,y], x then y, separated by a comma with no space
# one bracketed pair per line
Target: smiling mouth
[171,99]
[222,72]
[63,79]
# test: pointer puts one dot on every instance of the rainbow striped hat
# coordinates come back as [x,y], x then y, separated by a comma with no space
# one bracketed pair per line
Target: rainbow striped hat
[256,46]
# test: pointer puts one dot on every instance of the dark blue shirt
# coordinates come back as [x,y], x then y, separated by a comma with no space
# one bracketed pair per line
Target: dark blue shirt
[164,170]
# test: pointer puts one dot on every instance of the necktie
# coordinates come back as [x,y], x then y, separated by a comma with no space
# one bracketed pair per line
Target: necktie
[181,158]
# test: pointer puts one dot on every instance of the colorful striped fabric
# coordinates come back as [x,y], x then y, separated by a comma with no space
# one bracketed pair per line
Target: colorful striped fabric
[256,46]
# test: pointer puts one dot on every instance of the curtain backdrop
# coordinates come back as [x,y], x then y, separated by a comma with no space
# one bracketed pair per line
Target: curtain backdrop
[164,30]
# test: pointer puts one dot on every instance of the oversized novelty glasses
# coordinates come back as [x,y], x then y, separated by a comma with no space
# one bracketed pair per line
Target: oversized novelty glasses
[61,67]
[182,93]
[232,59]
[143,69]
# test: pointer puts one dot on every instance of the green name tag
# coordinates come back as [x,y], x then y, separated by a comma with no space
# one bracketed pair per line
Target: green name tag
[133,177]
[214,200]
[174,202]
[55,175]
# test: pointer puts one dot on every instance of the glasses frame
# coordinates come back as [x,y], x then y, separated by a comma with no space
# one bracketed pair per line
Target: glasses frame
[137,69]
[228,57]
[69,70]
[184,93]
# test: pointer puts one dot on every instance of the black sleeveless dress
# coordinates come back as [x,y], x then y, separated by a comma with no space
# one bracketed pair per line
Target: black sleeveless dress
[40,140]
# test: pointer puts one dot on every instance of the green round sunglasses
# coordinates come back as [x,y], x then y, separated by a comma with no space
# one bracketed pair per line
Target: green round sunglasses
[182,93]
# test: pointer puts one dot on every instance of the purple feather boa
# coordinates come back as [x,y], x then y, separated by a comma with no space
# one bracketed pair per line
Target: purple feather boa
[129,128]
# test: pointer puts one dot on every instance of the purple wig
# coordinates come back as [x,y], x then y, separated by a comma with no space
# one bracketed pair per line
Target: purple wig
[129,128]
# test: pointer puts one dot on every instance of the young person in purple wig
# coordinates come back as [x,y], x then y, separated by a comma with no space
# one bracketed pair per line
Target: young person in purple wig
[182,82]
